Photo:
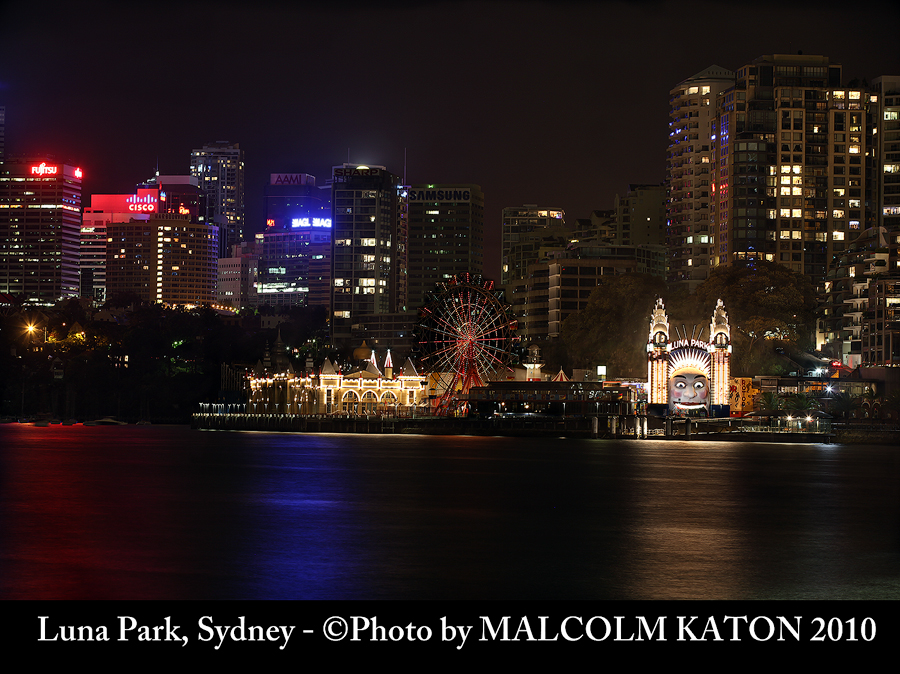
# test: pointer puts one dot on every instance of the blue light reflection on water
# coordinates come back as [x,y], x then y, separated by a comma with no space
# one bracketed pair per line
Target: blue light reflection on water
[165,512]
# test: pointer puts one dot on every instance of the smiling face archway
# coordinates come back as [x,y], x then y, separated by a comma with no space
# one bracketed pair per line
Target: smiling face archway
[689,377]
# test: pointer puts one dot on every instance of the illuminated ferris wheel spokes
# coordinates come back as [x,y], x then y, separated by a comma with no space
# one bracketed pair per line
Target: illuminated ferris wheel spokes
[465,335]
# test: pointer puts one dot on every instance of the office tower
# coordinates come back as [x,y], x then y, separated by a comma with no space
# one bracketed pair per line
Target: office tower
[219,168]
[40,219]
[446,236]
[689,164]
[641,216]
[238,275]
[369,255]
[103,210]
[295,248]
[157,245]
[167,258]
[166,195]
[525,229]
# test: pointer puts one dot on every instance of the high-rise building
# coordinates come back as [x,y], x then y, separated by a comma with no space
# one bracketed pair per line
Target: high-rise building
[783,162]
[886,147]
[370,246]
[219,168]
[446,236]
[168,259]
[157,245]
[40,219]
[238,274]
[689,165]
[641,216]
[172,195]
[525,229]
[2,132]
[295,248]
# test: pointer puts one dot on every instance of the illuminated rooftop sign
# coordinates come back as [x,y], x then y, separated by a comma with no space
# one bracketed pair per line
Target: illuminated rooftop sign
[459,195]
[145,201]
[141,204]
[291,179]
[311,222]
[43,170]
[354,172]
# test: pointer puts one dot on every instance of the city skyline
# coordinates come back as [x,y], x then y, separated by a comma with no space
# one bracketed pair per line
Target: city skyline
[535,103]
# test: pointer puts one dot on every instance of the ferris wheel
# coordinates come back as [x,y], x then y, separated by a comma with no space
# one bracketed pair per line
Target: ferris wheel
[465,336]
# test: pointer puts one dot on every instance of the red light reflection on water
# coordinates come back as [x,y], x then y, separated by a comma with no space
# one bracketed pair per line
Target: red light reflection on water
[81,518]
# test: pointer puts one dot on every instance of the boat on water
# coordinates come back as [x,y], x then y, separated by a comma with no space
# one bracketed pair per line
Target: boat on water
[106,421]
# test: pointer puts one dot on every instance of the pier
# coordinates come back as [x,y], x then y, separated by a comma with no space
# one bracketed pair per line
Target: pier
[610,426]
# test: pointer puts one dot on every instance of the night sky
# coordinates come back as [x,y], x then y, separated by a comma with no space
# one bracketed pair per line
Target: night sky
[562,104]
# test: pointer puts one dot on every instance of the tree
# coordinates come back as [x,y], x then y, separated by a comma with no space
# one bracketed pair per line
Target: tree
[843,405]
[612,329]
[801,402]
[768,305]
[770,401]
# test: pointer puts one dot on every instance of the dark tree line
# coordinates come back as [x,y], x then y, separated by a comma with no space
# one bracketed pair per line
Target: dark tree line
[771,310]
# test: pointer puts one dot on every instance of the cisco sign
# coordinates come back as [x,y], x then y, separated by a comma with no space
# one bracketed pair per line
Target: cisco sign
[458,195]
[141,204]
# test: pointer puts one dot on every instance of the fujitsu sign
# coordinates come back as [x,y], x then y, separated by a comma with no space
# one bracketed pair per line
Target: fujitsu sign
[141,204]
[43,170]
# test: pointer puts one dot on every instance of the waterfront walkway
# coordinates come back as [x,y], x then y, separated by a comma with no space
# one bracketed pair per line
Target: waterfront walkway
[600,426]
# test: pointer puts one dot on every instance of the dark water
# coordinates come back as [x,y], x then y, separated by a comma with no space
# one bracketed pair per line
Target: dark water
[170,513]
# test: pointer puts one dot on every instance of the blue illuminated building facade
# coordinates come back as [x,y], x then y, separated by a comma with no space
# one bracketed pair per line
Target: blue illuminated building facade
[295,248]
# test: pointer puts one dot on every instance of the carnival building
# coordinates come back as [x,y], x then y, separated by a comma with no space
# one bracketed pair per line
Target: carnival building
[363,392]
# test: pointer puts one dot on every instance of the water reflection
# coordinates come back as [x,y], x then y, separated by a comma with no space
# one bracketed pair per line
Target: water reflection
[165,512]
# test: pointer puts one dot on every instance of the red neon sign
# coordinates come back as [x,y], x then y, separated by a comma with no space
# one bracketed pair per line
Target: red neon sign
[78,173]
[42,169]
[141,204]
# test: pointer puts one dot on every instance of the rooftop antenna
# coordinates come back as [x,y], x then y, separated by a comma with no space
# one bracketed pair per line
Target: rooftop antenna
[348,155]
[404,166]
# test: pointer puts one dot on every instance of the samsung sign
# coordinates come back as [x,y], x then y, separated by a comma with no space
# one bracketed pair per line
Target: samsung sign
[440,195]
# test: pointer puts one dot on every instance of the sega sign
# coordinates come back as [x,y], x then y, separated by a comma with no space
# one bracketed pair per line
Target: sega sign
[311,222]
